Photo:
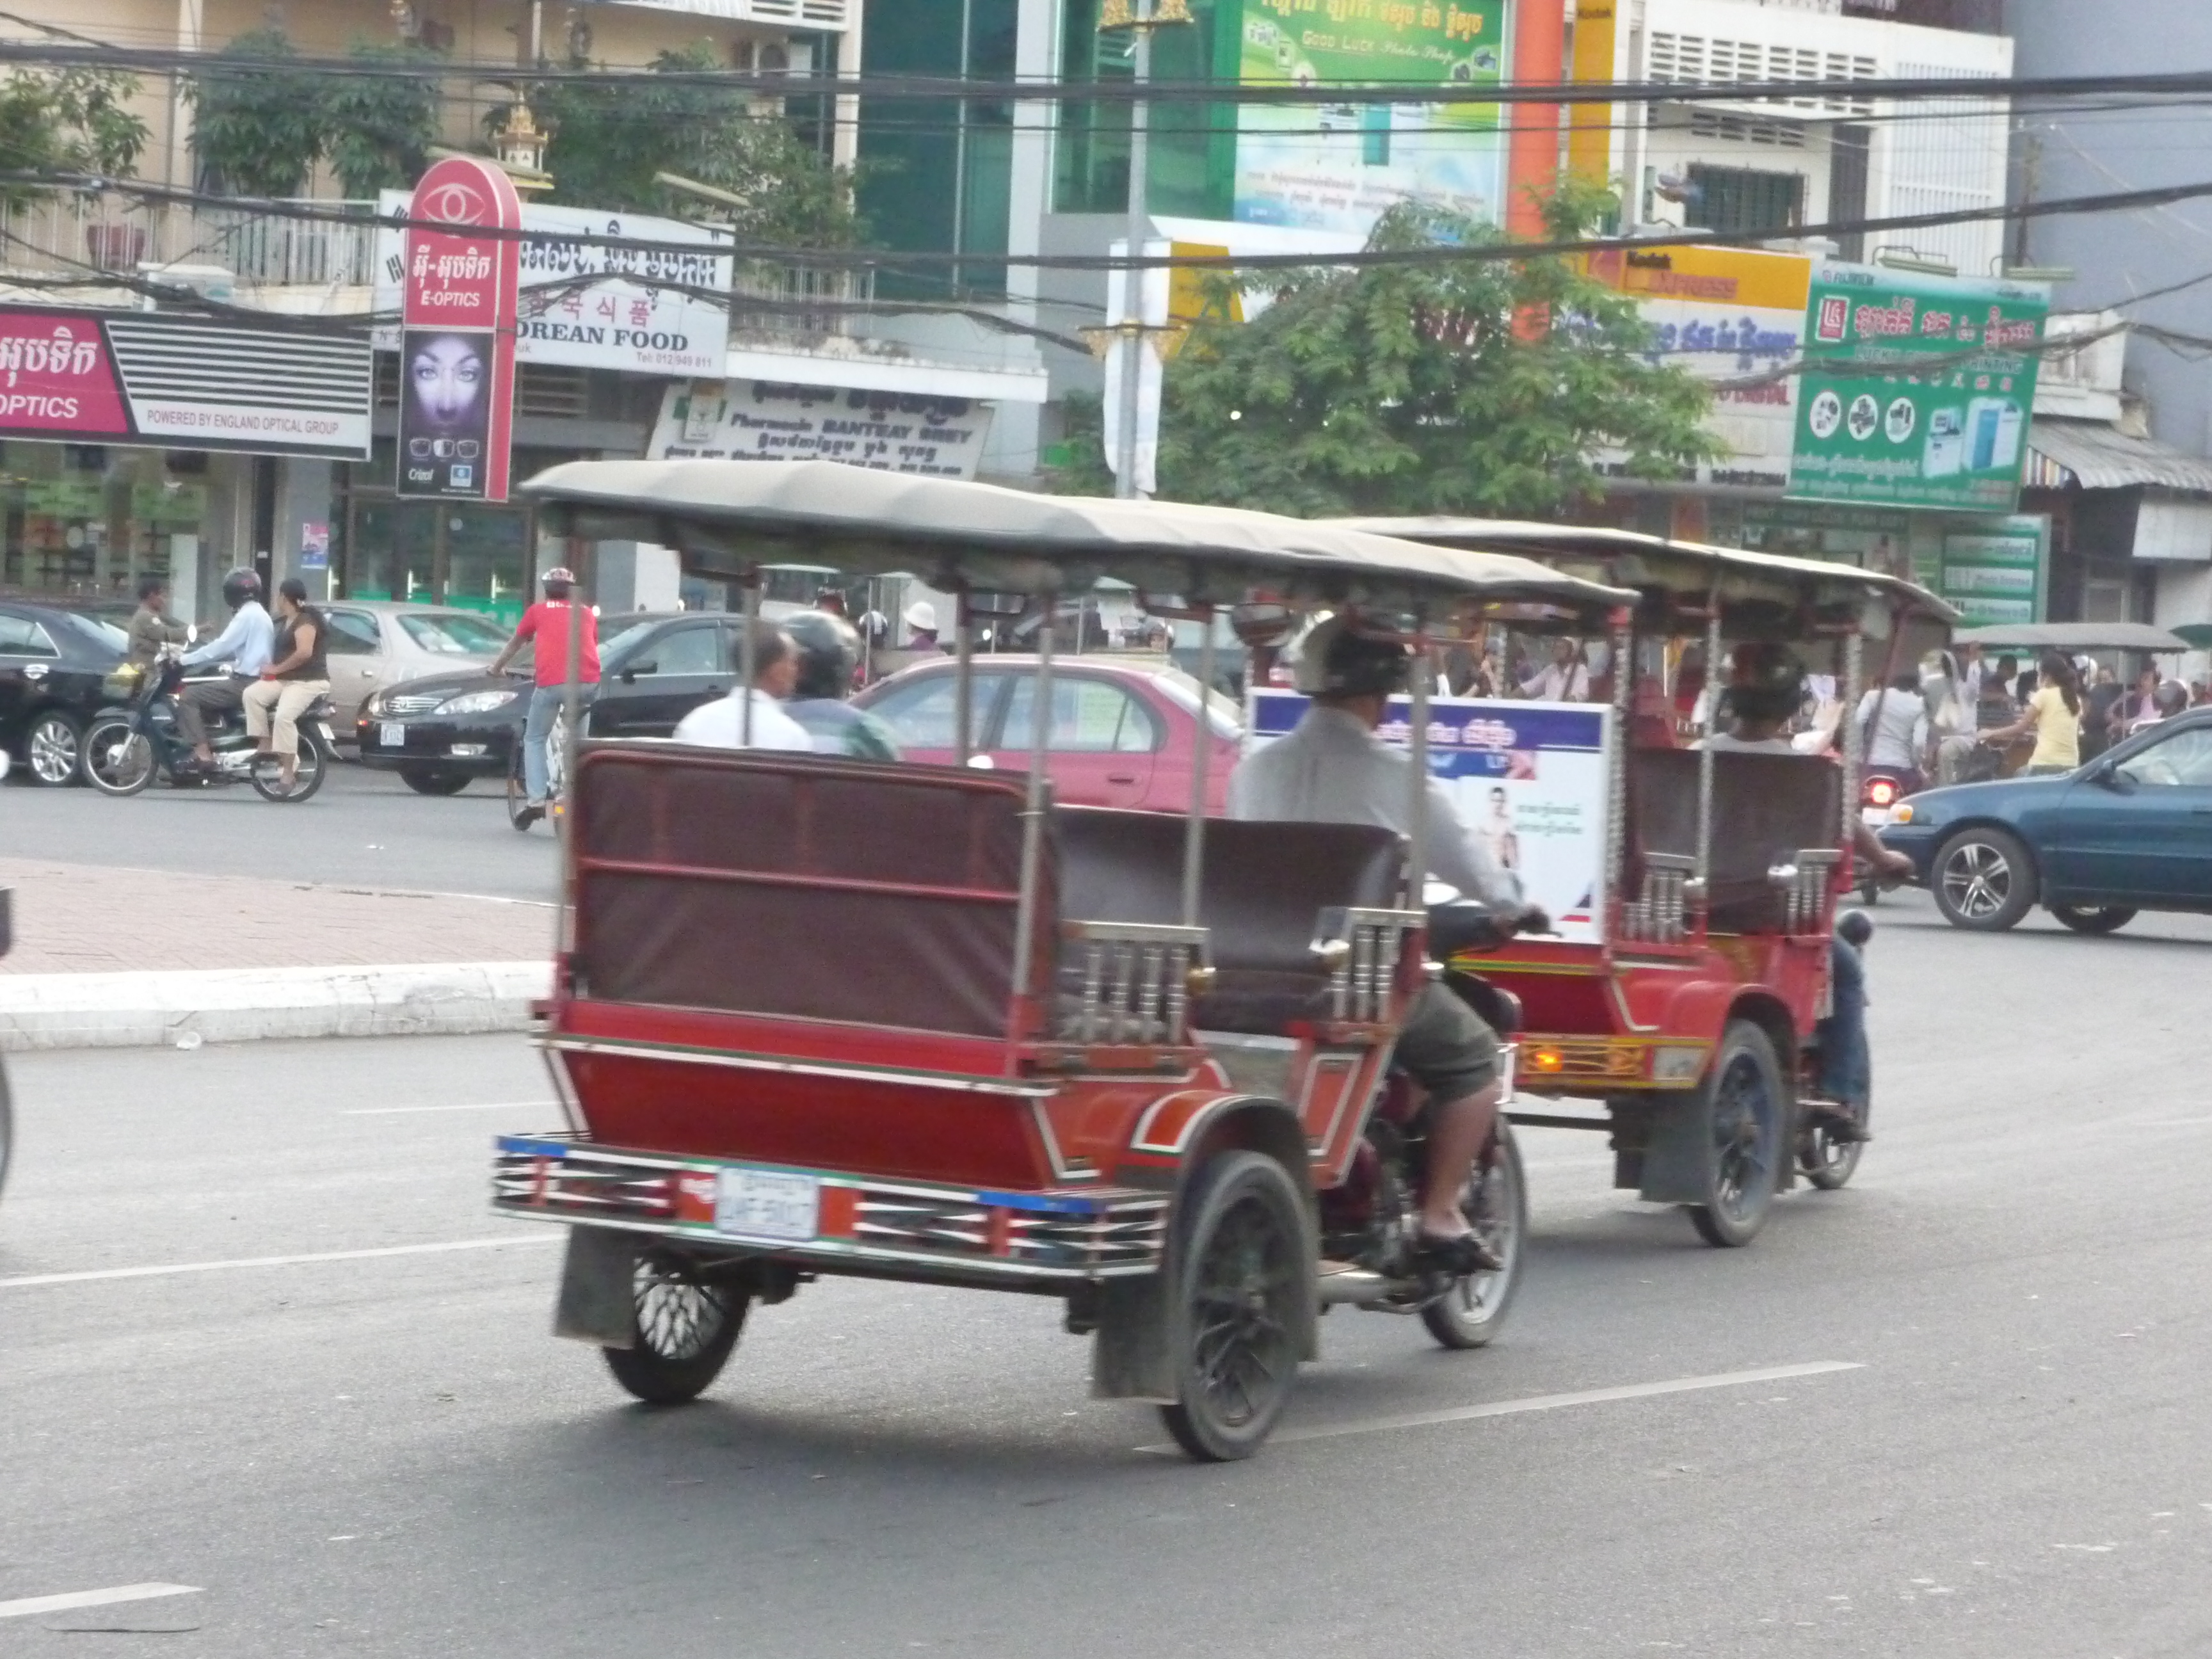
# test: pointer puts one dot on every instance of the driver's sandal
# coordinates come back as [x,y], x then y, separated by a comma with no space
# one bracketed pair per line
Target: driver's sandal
[1458,1257]
[1840,1125]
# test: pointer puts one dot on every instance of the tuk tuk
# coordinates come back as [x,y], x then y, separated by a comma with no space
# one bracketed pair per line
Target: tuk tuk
[820,1015]
[1691,1005]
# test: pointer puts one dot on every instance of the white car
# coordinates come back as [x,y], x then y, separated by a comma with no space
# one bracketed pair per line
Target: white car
[379,643]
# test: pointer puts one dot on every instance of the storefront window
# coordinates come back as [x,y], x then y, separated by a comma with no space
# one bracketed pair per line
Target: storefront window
[88,521]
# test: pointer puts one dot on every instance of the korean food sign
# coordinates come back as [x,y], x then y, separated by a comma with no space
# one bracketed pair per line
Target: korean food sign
[1917,391]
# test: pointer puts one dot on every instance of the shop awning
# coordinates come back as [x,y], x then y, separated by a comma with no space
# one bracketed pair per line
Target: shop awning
[2090,455]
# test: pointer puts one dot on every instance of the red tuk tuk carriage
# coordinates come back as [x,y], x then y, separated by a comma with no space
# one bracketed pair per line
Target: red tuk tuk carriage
[1693,1013]
[817,1016]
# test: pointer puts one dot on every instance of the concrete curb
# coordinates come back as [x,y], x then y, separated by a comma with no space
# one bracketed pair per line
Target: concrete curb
[241,1005]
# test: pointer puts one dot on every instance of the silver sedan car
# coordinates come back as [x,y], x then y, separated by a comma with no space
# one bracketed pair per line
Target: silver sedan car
[378,643]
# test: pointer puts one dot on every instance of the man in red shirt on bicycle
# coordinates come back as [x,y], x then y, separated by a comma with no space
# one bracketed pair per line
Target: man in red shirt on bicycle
[548,623]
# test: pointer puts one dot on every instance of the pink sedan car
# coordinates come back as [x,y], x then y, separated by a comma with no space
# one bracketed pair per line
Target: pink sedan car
[1123,731]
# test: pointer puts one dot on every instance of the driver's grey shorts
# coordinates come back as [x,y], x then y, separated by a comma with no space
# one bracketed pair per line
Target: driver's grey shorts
[1448,1048]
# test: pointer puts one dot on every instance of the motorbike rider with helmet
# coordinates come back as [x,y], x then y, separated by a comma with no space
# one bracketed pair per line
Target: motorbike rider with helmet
[1333,769]
[1766,687]
[244,646]
[548,624]
[828,652]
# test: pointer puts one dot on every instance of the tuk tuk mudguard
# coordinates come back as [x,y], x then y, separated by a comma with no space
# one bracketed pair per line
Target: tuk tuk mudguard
[1141,1332]
[597,1302]
[1671,1162]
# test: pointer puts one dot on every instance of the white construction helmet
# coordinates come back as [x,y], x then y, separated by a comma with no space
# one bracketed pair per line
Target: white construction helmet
[921,614]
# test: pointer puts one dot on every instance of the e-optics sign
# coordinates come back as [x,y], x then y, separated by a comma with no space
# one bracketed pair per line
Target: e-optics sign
[272,388]
[456,342]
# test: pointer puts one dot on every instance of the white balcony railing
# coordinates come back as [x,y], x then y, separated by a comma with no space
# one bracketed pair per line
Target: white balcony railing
[95,235]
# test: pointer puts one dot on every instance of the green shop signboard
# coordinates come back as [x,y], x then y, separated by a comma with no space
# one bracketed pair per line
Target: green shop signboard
[1917,390]
[1993,572]
[1335,167]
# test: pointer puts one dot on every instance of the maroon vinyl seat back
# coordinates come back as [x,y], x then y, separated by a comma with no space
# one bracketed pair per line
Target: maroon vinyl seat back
[1264,888]
[1766,808]
[798,886]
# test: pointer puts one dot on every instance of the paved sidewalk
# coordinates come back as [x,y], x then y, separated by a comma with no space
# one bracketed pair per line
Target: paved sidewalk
[87,919]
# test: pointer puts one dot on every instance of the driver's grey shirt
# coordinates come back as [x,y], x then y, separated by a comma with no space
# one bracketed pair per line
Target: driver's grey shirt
[1332,769]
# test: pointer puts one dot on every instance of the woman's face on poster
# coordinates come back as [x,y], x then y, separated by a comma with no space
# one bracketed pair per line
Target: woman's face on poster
[446,375]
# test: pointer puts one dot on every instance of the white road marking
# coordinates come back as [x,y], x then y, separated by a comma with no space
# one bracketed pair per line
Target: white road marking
[1547,1402]
[2168,1123]
[27,1280]
[99,1598]
[467,1106]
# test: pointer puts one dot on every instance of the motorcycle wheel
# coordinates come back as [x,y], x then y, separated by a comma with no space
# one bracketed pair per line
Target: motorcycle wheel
[1741,1104]
[434,780]
[1829,1163]
[267,772]
[1496,1203]
[2093,919]
[520,815]
[1244,1267]
[118,758]
[682,1327]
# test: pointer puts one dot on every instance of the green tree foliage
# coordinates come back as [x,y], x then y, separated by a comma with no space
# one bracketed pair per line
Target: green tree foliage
[70,121]
[258,123]
[609,140]
[1452,387]
[381,127]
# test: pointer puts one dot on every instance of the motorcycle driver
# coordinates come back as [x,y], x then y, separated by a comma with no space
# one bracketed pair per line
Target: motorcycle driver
[243,646]
[1766,686]
[828,652]
[1333,769]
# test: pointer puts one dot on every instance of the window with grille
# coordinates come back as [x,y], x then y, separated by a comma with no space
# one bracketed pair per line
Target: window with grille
[1744,202]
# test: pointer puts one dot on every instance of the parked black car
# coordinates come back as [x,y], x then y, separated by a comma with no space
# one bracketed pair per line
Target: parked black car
[439,731]
[52,663]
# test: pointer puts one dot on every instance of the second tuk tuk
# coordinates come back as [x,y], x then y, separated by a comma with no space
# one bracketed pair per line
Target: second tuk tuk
[815,1016]
[1692,1007]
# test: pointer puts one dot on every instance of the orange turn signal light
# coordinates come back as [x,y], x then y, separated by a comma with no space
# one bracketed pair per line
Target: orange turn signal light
[1546,1060]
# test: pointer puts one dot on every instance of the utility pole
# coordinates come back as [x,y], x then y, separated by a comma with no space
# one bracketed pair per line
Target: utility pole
[1140,18]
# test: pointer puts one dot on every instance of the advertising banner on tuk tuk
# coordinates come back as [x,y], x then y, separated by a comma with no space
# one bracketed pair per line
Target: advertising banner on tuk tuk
[1335,167]
[1917,389]
[1529,778]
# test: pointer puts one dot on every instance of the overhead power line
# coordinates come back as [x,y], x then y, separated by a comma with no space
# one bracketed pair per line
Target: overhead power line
[163,61]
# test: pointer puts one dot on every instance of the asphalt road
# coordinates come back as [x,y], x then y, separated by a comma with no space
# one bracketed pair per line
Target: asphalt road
[364,829]
[388,1455]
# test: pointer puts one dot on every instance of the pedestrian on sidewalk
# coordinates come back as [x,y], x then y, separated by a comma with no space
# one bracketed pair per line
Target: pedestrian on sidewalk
[721,724]
[298,673]
[548,623]
[243,646]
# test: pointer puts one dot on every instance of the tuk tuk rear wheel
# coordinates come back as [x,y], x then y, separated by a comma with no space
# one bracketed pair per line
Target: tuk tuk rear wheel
[682,1327]
[1495,1201]
[1741,1108]
[1244,1265]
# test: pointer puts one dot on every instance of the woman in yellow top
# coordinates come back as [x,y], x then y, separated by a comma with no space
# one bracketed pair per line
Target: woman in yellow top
[2053,716]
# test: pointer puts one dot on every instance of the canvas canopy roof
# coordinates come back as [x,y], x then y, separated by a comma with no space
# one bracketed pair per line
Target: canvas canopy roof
[2073,636]
[728,518]
[1646,562]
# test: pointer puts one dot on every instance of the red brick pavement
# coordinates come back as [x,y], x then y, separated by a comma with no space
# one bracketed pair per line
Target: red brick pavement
[85,919]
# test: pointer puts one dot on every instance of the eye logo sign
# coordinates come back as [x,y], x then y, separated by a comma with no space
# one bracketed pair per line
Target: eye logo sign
[454,202]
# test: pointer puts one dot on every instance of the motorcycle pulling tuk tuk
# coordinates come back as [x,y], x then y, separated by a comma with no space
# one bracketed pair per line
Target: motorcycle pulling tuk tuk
[1692,1008]
[817,1016]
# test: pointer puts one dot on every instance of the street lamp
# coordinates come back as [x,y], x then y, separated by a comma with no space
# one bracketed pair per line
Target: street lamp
[1140,18]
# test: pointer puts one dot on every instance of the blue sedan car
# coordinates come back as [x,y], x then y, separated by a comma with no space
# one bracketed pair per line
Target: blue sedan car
[2130,831]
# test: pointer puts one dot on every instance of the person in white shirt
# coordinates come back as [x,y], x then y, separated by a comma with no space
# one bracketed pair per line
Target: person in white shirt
[1893,720]
[1564,679]
[243,646]
[721,724]
[1333,769]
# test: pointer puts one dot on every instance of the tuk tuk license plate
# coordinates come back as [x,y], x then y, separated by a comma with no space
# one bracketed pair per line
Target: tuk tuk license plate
[391,735]
[766,1204]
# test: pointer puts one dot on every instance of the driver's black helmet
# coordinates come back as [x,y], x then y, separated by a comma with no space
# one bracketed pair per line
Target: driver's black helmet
[1336,660]
[829,651]
[1766,683]
[241,586]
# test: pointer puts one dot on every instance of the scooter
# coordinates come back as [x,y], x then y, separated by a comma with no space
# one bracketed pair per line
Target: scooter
[128,745]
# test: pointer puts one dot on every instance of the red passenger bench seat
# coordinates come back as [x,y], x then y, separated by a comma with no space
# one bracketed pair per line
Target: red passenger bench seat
[1263,890]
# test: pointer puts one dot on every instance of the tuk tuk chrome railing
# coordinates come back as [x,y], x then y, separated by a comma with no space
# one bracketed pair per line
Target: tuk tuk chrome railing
[1659,914]
[1806,885]
[1136,982]
[1362,949]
